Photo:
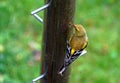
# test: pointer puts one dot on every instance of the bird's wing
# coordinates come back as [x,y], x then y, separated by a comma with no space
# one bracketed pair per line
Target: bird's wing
[77,54]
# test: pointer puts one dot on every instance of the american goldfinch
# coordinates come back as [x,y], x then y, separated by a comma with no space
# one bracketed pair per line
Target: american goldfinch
[75,46]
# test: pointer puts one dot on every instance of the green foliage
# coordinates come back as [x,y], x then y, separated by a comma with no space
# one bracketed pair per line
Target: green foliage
[21,37]
[101,63]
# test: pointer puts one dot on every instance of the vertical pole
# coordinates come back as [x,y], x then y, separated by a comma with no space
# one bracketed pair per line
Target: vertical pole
[56,28]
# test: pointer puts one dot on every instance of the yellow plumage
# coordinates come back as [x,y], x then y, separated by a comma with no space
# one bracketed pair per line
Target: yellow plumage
[78,39]
[75,46]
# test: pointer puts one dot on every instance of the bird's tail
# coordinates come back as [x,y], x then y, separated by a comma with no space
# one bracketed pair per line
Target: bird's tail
[61,71]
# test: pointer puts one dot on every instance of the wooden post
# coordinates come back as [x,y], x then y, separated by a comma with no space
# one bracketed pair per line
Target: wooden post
[56,28]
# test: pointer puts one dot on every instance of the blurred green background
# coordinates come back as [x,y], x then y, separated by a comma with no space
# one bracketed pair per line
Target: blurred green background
[21,37]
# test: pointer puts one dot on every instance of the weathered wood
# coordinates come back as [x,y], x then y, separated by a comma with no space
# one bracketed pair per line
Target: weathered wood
[56,27]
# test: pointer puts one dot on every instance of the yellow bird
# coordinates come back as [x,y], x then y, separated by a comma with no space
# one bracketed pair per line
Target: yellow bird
[79,39]
[75,46]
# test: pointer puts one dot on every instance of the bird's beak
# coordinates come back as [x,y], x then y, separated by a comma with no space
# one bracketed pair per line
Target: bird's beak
[76,27]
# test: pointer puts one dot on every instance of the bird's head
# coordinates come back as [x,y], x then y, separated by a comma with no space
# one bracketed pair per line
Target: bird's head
[79,30]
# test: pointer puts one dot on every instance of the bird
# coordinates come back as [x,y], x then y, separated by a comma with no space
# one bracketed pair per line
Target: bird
[76,45]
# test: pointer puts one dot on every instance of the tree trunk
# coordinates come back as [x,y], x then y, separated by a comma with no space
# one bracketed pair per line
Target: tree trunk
[56,28]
